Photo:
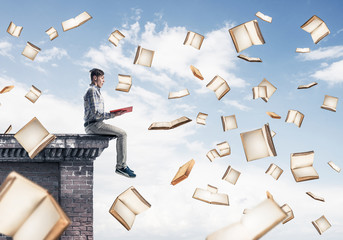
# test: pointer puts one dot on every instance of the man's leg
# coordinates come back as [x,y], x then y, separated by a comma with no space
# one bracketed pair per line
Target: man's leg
[107,129]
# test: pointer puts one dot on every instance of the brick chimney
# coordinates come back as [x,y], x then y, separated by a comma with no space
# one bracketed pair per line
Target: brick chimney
[65,168]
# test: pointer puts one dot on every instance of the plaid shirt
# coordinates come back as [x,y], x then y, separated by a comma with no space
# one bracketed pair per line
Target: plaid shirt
[94,105]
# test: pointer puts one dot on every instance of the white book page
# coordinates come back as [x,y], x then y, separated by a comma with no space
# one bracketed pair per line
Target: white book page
[202,194]
[232,176]
[221,89]
[291,116]
[241,35]
[197,41]
[132,201]
[145,57]
[330,102]
[305,172]
[123,86]
[270,88]
[30,52]
[113,40]
[220,198]
[323,224]
[300,160]
[189,37]
[161,124]
[254,145]
[124,212]
[118,35]
[11,29]
[298,119]
[82,18]
[33,97]
[40,222]
[312,25]
[216,82]
[69,24]
[125,79]
[17,31]
[319,32]
[230,122]
[252,31]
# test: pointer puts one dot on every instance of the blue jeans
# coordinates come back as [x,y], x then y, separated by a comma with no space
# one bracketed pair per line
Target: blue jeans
[102,128]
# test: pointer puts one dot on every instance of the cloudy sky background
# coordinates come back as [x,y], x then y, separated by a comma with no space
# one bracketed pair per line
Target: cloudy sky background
[61,71]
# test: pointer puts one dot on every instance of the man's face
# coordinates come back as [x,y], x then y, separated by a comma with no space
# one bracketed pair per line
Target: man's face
[99,81]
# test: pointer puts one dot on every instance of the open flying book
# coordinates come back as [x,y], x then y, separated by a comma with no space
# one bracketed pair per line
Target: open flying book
[258,143]
[231,175]
[144,57]
[76,22]
[127,205]
[229,122]
[6,89]
[273,115]
[33,94]
[246,35]
[212,154]
[183,172]
[194,39]
[196,72]
[334,166]
[201,118]
[302,50]
[14,30]
[249,59]
[307,85]
[33,137]
[302,166]
[294,116]
[330,103]
[274,171]
[321,224]
[224,149]
[179,94]
[211,195]
[169,125]
[125,110]
[115,37]
[264,17]
[287,209]
[317,28]
[28,211]
[124,84]
[219,86]
[264,90]
[254,224]
[315,197]
[30,51]
[52,32]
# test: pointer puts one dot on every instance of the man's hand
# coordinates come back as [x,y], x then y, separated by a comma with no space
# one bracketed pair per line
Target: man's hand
[121,112]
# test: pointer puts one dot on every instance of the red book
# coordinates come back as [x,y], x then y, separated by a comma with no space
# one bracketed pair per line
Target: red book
[126,109]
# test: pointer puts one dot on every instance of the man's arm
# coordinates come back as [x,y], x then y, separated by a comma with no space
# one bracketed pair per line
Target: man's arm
[94,104]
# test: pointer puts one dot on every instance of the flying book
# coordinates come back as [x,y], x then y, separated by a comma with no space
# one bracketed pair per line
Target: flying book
[194,39]
[124,84]
[33,94]
[254,224]
[201,118]
[287,209]
[321,224]
[246,35]
[183,172]
[8,129]
[224,149]
[28,211]
[14,30]
[211,195]
[334,166]
[115,37]
[127,205]
[76,22]
[264,17]
[125,110]
[294,116]
[317,28]
[273,115]
[265,94]
[6,89]
[179,94]
[219,86]
[302,50]
[169,125]
[231,175]
[31,51]
[229,122]
[33,137]
[52,32]
[330,103]
[307,85]
[274,171]
[249,59]
[143,57]
[196,72]
[258,143]
[302,166]
[212,154]
[315,197]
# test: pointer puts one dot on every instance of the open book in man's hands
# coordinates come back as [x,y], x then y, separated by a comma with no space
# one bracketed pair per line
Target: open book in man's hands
[123,110]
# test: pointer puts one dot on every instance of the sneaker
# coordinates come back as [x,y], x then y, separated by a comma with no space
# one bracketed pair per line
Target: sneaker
[126,172]
[130,169]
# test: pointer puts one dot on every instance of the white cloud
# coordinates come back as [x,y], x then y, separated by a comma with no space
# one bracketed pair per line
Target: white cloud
[332,74]
[323,53]
[51,54]
[5,48]
[236,104]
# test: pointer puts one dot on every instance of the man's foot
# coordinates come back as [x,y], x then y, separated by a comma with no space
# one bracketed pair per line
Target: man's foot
[127,172]
[130,169]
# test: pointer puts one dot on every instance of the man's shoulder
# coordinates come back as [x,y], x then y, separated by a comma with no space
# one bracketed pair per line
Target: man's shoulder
[91,89]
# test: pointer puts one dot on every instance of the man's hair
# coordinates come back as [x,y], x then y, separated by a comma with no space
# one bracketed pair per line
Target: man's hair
[96,72]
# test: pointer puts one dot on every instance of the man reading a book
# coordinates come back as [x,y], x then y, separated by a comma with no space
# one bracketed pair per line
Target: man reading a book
[94,120]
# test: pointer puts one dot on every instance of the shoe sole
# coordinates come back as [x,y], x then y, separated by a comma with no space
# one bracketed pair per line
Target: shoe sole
[124,174]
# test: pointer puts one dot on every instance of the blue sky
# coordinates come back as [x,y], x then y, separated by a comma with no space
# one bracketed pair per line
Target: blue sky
[61,72]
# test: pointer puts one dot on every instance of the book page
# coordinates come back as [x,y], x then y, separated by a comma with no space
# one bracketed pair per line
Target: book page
[254,144]
[189,38]
[124,212]
[311,24]
[268,140]
[291,116]
[229,122]
[19,201]
[322,224]
[298,119]
[202,195]
[270,88]
[30,52]
[212,154]
[253,33]
[215,83]
[82,18]
[197,41]
[125,79]
[241,37]
[11,28]
[220,198]
[123,87]
[32,96]
[69,24]
[179,94]
[40,222]
[41,145]
[232,176]
[145,57]
[320,32]
[130,199]
[330,102]
[179,121]
[164,125]
[305,172]
[303,159]
[221,90]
